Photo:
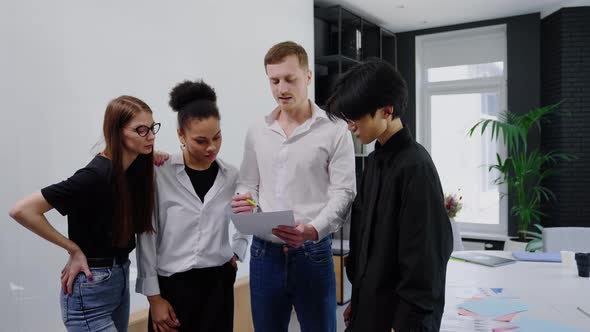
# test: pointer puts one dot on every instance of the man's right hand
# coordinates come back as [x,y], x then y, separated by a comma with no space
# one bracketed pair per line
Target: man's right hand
[347,313]
[163,315]
[240,205]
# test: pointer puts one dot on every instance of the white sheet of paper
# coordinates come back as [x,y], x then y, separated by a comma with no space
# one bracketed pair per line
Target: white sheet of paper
[262,223]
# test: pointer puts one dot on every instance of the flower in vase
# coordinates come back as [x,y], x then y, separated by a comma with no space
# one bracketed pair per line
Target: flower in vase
[453,204]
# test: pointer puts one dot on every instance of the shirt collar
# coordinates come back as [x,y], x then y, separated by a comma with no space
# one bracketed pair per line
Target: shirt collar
[178,160]
[395,142]
[317,114]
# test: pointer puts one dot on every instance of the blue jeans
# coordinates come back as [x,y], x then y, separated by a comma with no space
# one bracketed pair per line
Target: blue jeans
[283,277]
[98,305]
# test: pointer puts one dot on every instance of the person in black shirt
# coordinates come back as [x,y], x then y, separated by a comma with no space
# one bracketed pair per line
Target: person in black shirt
[401,238]
[107,203]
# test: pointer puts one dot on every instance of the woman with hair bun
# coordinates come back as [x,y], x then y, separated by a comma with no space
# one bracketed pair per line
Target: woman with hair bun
[187,271]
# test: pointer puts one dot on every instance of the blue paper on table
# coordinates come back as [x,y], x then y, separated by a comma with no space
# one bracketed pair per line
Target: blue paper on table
[538,256]
[497,290]
[526,324]
[494,307]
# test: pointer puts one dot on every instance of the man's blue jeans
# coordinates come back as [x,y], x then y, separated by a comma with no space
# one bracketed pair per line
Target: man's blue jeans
[98,305]
[282,277]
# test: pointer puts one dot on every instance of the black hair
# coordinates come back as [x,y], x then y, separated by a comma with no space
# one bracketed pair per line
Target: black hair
[193,100]
[365,88]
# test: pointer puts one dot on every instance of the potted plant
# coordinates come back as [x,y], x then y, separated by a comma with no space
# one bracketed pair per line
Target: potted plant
[536,244]
[524,169]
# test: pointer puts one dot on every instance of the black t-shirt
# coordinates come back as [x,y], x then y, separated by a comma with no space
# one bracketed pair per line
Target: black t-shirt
[202,180]
[87,198]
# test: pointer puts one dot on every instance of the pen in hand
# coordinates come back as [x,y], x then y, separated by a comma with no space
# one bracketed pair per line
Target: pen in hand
[250,201]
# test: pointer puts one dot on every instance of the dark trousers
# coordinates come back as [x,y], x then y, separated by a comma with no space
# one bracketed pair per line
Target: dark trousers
[203,299]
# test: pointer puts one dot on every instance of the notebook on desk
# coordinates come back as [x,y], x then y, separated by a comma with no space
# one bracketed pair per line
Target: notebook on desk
[537,256]
[482,259]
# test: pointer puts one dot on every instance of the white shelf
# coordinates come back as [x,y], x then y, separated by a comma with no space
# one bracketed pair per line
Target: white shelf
[336,244]
[484,236]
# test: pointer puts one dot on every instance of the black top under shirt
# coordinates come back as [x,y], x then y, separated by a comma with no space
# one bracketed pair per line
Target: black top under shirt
[202,180]
[88,200]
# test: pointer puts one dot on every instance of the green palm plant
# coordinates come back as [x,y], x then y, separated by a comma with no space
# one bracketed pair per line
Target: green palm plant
[536,244]
[523,170]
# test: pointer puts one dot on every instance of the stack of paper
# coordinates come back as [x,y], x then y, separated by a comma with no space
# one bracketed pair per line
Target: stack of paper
[494,307]
[527,324]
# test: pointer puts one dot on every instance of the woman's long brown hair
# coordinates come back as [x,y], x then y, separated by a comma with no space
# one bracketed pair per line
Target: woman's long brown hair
[133,194]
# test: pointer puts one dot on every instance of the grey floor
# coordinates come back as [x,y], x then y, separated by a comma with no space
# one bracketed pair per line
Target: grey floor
[294,324]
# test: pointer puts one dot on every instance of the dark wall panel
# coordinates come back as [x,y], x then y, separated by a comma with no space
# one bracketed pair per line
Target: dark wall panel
[566,77]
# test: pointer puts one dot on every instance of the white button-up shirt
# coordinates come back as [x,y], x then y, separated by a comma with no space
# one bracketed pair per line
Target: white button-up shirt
[311,172]
[189,233]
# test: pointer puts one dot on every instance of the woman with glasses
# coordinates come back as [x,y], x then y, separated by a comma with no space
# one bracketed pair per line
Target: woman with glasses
[187,270]
[107,203]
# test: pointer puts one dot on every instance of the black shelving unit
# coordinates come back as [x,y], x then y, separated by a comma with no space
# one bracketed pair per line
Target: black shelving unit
[389,47]
[343,39]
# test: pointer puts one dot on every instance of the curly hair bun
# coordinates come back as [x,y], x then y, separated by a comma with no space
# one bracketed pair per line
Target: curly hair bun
[188,91]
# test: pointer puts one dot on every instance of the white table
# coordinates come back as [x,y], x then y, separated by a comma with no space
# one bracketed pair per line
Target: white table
[551,290]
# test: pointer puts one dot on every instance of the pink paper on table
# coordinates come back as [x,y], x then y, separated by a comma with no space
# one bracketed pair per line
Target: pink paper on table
[464,312]
[508,318]
[504,328]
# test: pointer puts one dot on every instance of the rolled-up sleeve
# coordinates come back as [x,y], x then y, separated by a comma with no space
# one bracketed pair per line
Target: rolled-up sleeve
[240,241]
[147,260]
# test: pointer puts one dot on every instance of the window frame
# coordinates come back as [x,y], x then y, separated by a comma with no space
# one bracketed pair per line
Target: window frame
[426,90]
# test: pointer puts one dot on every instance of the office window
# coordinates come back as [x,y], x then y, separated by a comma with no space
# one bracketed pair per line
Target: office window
[460,79]
[465,72]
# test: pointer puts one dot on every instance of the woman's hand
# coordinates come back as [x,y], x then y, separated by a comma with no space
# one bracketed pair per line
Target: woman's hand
[234,262]
[163,315]
[160,158]
[76,263]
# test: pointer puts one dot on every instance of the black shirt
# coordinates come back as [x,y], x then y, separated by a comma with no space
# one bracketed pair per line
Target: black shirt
[88,200]
[400,243]
[202,180]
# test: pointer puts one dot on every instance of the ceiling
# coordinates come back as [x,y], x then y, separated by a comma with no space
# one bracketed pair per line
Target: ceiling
[408,15]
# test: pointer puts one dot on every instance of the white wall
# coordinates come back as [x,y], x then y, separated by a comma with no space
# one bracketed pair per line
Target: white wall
[60,64]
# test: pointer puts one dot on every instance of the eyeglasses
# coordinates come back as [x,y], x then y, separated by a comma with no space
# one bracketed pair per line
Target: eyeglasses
[351,124]
[143,131]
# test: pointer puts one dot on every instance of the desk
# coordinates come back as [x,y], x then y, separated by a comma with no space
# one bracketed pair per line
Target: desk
[551,290]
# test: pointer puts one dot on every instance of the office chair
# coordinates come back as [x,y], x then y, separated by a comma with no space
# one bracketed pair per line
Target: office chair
[556,239]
